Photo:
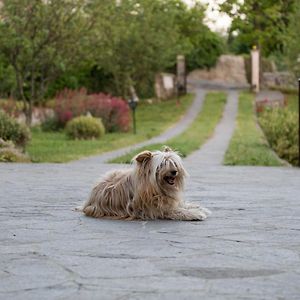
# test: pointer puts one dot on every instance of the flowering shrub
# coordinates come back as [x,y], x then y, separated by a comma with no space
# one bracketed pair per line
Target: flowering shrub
[281,129]
[70,104]
[113,111]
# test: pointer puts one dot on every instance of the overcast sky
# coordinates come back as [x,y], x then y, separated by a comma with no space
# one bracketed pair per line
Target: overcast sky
[215,20]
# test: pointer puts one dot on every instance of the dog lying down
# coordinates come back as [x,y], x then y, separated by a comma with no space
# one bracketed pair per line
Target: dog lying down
[152,189]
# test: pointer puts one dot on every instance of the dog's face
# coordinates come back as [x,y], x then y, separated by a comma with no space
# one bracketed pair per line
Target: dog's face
[162,169]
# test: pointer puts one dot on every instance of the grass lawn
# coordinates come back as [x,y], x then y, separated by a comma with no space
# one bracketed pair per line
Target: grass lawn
[199,131]
[293,102]
[152,119]
[248,145]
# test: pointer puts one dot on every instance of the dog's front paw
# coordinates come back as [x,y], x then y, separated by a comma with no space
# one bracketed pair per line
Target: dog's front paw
[197,214]
[194,214]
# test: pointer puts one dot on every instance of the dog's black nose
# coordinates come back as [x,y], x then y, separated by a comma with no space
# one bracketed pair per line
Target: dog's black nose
[173,173]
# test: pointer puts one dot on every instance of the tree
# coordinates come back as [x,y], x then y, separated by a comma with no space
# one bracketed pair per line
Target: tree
[258,22]
[201,46]
[40,40]
[136,39]
[292,41]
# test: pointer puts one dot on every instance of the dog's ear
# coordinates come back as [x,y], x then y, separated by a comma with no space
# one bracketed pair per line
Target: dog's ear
[167,149]
[143,156]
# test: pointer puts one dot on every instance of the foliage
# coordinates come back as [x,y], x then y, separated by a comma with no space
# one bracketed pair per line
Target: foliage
[7,78]
[51,124]
[281,128]
[9,153]
[85,127]
[292,41]
[256,22]
[137,39]
[39,40]
[201,46]
[248,145]
[113,111]
[12,107]
[107,46]
[194,136]
[56,147]
[11,130]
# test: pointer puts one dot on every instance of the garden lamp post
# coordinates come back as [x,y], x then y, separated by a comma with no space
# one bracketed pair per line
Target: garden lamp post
[133,105]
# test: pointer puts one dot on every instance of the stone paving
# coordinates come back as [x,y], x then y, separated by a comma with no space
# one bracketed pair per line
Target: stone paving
[247,249]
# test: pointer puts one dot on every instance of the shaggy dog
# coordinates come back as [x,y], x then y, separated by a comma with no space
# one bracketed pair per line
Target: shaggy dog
[150,190]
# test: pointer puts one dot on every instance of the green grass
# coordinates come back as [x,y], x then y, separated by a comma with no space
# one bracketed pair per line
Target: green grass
[199,131]
[248,145]
[152,119]
[293,102]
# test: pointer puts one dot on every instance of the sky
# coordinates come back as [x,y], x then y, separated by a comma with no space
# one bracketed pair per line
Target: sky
[216,21]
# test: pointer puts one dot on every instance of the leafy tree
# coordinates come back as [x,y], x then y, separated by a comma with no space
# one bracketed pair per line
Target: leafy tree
[258,22]
[201,46]
[136,39]
[292,41]
[40,40]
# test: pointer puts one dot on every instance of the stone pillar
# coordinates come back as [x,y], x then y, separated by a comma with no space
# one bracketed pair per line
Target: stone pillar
[255,69]
[181,76]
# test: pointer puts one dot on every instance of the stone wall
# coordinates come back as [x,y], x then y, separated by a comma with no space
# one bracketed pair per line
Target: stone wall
[229,69]
[165,86]
[281,79]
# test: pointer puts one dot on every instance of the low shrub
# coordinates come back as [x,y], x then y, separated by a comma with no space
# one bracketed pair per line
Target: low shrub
[281,129]
[11,107]
[113,111]
[11,130]
[9,153]
[85,127]
[51,124]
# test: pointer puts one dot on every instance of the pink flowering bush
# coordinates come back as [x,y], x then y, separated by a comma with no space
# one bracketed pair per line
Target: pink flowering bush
[113,111]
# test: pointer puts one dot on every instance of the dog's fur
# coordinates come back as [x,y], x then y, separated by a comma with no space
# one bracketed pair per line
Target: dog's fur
[150,190]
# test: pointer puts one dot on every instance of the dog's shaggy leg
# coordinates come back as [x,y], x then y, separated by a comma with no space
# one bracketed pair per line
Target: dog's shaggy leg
[184,214]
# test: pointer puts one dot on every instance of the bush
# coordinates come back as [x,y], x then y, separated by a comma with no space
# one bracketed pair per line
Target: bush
[85,127]
[11,130]
[281,129]
[11,107]
[113,111]
[9,153]
[51,124]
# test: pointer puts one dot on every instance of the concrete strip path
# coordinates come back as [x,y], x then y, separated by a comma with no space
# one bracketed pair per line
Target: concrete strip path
[213,151]
[249,248]
[178,128]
